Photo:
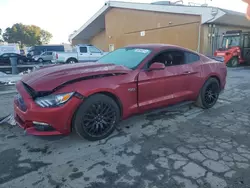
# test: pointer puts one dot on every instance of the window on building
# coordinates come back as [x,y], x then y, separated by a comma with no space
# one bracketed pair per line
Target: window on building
[191,57]
[83,49]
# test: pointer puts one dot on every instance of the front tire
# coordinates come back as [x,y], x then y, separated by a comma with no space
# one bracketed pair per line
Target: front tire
[234,62]
[40,60]
[20,61]
[209,94]
[96,118]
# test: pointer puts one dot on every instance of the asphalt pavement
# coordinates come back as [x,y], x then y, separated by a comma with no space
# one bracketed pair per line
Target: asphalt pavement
[176,148]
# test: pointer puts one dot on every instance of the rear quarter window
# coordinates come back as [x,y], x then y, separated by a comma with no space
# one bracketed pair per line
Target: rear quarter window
[191,57]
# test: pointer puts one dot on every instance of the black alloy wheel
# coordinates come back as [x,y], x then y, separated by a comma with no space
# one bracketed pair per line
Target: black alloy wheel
[96,118]
[99,119]
[209,94]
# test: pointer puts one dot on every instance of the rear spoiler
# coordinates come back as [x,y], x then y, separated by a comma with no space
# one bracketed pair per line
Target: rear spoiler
[220,59]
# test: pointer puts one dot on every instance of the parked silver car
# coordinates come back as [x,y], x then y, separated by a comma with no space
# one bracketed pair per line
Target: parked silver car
[44,57]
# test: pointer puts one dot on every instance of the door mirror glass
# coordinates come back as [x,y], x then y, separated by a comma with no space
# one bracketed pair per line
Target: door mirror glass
[157,66]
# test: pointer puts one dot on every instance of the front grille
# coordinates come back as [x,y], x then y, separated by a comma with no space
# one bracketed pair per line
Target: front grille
[20,102]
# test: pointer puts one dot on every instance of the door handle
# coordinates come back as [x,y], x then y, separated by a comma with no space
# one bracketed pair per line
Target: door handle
[187,72]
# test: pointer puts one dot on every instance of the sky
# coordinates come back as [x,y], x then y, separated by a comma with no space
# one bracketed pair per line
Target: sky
[62,17]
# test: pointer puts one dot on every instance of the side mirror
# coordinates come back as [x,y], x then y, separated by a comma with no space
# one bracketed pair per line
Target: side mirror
[157,66]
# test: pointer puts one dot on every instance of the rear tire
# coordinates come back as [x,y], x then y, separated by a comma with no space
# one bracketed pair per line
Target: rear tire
[71,61]
[209,94]
[96,118]
[234,62]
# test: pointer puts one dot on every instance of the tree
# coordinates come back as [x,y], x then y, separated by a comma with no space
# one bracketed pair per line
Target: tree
[1,40]
[28,35]
[45,37]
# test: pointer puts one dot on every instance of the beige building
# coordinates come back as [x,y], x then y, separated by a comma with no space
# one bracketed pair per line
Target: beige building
[198,28]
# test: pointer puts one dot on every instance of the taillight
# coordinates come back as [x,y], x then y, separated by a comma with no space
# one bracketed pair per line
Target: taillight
[56,56]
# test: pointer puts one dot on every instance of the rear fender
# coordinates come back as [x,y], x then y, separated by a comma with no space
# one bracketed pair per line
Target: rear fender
[217,70]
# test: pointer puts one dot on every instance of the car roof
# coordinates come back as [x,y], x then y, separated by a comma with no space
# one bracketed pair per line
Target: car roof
[155,46]
[8,53]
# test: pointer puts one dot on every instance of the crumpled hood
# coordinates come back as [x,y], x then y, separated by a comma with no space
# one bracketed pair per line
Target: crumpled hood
[46,79]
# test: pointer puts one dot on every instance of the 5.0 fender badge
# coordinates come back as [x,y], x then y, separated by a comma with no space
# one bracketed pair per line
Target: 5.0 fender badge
[131,89]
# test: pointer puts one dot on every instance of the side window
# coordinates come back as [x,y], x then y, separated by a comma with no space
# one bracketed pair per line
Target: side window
[13,55]
[246,41]
[92,49]
[5,55]
[169,58]
[49,53]
[191,58]
[83,49]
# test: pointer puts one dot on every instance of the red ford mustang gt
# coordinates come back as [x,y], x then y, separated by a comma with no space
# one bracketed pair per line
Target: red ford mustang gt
[93,97]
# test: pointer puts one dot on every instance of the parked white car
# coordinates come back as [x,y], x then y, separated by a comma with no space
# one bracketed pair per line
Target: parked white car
[81,53]
[43,57]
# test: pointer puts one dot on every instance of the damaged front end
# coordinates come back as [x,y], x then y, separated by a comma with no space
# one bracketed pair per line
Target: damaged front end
[48,112]
[35,94]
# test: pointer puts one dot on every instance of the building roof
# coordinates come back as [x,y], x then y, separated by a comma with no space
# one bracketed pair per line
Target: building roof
[208,15]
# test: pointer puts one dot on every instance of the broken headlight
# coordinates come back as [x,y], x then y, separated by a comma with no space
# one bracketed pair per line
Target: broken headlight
[53,100]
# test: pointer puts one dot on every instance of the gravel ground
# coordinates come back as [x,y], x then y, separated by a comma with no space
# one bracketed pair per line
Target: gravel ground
[178,147]
[6,106]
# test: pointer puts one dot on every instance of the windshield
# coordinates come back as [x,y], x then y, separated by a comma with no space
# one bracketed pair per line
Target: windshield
[31,49]
[230,41]
[128,57]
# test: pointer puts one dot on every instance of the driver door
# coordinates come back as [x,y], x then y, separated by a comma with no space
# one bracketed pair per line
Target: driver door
[177,82]
[156,87]
[95,53]
[152,87]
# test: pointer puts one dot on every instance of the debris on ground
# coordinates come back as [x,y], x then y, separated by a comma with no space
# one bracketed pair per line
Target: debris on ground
[8,120]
